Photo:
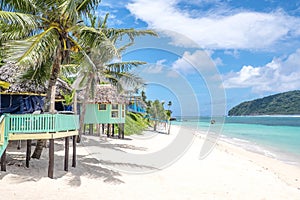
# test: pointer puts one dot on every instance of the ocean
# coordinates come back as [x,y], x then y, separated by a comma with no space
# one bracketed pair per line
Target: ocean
[274,136]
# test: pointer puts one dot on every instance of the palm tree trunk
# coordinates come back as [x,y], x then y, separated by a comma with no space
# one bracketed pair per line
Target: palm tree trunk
[83,109]
[52,81]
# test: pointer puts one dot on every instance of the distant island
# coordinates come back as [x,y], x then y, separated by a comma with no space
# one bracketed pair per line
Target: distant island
[287,103]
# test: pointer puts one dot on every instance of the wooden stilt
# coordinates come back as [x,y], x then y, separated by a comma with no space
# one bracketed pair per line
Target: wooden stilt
[113,130]
[3,161]
[51,158]
[123,131]
[98,129]
[66,164]
[74,152]
[83,129]
[28,153]
[19,144]
[103,131]
[91,129]
[119,130]
[108,130]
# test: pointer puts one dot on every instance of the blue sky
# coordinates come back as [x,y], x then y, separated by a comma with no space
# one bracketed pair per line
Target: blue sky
[212,54]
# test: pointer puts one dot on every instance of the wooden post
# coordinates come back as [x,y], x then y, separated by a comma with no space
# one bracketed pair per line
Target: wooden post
[52,101]
[51,158]
[28,153]
[91,129]
[3,161]
[83,129]
[119,130]
[103,131]
[74,151]
[123,131]
[108,130]
[113,130]
[98,129]
[66,166]
[19,144]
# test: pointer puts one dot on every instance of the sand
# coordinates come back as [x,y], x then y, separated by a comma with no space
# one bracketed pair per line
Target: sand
[228,172]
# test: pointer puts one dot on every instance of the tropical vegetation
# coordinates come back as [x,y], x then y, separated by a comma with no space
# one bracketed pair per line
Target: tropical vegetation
[287,103]
[43,36]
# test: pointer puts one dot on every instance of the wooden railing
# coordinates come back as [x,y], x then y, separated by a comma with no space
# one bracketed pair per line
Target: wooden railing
[41,123]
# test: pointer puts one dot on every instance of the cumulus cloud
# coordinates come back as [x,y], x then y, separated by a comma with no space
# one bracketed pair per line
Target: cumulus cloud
[199,60]
[157,67]
[277,76]
[235,30]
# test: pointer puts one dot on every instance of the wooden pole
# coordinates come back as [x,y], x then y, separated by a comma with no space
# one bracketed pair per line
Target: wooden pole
[19,144]
[119,130]
[98,129]
[51,158]
[103,131]
[28,153]
[91,129]
[113,130]
[66,166]
[108,130]
[122,131]
[74,152]
[3,161]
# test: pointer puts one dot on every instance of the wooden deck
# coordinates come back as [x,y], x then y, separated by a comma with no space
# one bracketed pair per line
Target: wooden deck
[35,127]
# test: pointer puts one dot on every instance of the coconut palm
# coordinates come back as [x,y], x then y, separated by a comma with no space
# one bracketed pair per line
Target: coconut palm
[101,65]
[49,30]
[157,112]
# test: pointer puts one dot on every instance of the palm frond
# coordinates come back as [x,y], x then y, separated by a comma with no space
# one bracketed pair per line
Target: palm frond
[25,21]
[85,6]
[38,74]
[123,66]
[124,81]
[20,5]
[98,41]
[68,10]
[35,50]
[130,34]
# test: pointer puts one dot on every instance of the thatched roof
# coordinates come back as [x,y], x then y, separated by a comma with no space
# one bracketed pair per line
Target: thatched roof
[12,74]
[106,94]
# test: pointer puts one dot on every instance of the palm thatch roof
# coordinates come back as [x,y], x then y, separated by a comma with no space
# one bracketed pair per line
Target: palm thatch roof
[106,94]
[12,74]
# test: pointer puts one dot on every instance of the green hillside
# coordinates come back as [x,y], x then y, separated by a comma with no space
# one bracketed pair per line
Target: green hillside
[287,103]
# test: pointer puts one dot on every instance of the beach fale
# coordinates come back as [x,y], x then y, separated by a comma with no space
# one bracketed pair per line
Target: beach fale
[21,116]
[107,108]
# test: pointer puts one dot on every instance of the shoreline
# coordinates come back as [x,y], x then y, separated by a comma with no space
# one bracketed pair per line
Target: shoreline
[272,150]
[228,172]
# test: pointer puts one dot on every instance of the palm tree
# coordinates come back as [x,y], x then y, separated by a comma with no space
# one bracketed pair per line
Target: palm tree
[99,67]
[157,112]
[50,30]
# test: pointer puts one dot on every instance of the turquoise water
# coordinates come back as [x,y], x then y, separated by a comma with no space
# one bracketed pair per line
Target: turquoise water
[277,137]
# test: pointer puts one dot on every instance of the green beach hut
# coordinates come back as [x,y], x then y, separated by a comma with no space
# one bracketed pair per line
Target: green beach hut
[107,108]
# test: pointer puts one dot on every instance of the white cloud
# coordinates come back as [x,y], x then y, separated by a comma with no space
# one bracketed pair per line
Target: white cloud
[190,62]
[238,30]
[277,76]
[156,68]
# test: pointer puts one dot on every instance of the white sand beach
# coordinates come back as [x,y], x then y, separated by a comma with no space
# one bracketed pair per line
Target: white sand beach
[228,172]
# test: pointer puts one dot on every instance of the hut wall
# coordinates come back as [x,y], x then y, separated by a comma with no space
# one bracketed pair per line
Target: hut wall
[109,115]
[20,104]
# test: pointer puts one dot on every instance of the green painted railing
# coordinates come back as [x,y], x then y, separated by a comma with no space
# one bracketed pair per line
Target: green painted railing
[41,123]
[3,134]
